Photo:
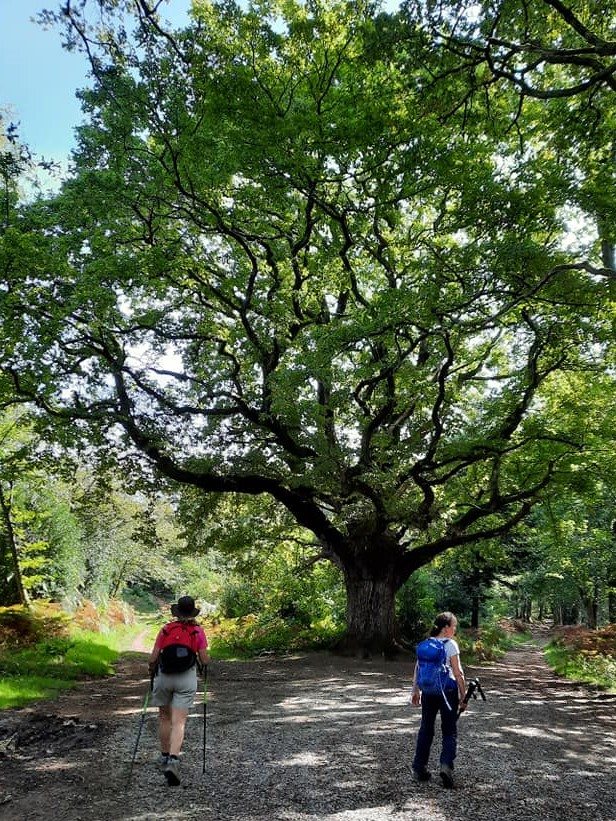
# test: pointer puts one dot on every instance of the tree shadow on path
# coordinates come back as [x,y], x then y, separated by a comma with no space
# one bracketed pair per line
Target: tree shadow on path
[322,737]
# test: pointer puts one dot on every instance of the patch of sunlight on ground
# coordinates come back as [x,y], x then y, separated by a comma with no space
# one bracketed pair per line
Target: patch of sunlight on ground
[304,760]
[376,813]
[528,732]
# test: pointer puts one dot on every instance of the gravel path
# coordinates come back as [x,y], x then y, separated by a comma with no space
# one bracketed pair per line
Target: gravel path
[315,737]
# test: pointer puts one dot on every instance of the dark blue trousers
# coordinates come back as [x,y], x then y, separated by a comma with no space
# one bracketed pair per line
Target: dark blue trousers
[431,706]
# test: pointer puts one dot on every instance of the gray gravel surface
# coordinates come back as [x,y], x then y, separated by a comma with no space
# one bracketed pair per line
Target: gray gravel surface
[315,737]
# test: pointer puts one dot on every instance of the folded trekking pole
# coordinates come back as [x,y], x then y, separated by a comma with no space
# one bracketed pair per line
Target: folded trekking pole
[472,689]
[144,712]
[204,711]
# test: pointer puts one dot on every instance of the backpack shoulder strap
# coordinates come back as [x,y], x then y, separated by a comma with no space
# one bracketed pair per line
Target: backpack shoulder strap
[443,643]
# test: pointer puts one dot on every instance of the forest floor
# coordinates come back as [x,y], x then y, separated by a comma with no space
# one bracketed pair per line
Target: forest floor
[314,736]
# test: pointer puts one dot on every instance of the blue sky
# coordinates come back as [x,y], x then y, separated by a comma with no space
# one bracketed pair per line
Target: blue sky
[38,78]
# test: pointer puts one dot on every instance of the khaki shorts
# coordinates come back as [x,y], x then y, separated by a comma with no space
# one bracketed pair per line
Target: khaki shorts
[175,689]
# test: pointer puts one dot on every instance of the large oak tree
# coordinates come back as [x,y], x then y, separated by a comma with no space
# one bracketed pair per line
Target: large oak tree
[296,257]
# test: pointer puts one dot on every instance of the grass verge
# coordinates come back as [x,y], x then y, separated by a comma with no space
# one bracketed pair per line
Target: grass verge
[42,654]
[45,668]
[584,666]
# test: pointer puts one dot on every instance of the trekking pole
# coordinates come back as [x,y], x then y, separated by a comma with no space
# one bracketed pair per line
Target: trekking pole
[144,711]
[204,711]
[472,689]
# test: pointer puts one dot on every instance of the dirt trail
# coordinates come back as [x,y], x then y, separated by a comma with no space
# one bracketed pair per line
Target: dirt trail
[141,643]
[314,737]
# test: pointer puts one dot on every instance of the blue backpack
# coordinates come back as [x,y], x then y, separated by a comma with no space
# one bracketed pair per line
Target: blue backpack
[432,674]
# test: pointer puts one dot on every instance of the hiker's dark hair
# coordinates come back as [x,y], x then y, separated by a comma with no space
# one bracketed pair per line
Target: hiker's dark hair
[442,620]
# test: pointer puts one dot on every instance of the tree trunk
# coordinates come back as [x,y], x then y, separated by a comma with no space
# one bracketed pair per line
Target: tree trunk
[590,602]
[371,615]
[568,614]
[591,613]
[475,604]
[611,602]
[14,586]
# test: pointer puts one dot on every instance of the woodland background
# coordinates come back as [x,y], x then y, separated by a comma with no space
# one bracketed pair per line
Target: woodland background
[320,325]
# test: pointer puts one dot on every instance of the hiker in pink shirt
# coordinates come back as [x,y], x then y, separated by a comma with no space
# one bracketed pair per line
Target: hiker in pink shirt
[179,652]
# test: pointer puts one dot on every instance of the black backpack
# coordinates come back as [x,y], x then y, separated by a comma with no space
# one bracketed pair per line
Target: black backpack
[176,653]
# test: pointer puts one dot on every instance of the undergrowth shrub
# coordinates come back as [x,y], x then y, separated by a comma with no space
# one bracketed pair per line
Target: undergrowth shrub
[269,633]
[21,626]
[487,643]
[584,655]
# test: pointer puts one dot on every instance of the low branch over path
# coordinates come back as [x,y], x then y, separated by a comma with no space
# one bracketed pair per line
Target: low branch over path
[315,737]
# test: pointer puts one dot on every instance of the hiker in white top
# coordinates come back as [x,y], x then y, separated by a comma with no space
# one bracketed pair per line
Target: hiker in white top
[447,700]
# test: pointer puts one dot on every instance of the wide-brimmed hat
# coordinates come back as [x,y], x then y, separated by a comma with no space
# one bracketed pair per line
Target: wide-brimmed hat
[185,608]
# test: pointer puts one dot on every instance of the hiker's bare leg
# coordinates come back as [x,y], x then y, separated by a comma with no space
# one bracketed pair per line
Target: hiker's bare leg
[164,728]
[178,724]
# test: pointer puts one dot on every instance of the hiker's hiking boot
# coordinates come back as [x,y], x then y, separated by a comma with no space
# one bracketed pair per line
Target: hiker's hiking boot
[447,776]
[172,771]
[162,761]
[422,775]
